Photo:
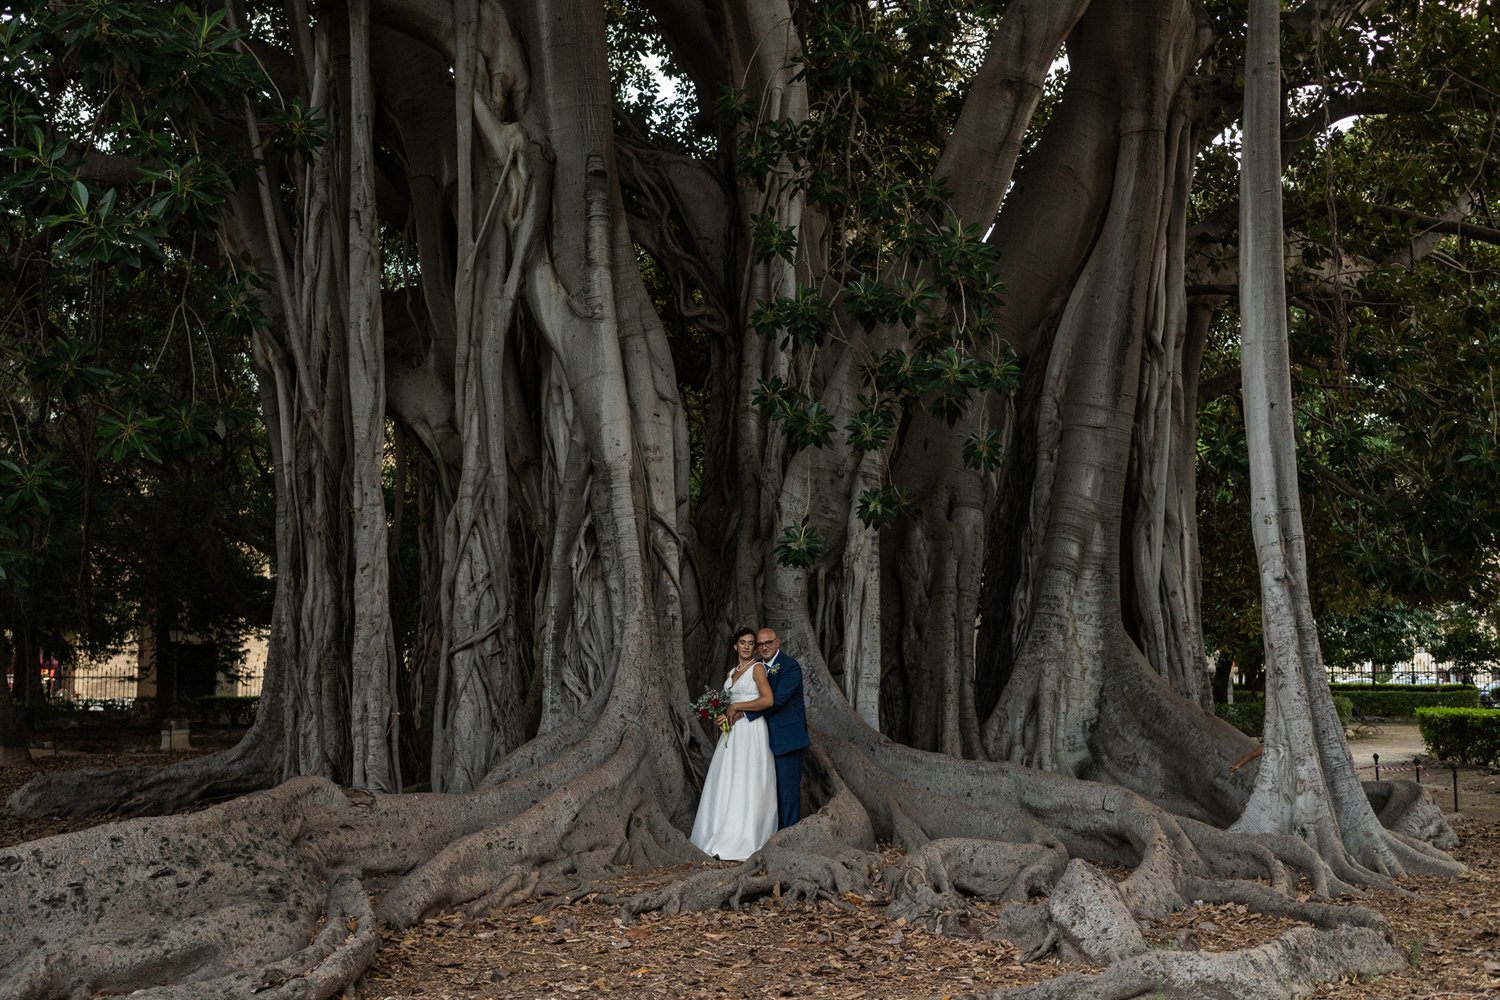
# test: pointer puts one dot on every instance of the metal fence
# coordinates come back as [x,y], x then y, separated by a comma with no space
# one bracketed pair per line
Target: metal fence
[1420,669]
[120,679]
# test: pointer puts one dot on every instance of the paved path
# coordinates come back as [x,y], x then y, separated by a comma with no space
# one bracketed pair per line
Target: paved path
[1396,742]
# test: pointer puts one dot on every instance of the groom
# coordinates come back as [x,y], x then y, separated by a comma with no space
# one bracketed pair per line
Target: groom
[786,723]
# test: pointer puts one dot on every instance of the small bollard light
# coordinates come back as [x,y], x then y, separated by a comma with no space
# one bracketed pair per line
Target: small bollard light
[1376,758]
[1453,764]
[1417,762]
[175,730]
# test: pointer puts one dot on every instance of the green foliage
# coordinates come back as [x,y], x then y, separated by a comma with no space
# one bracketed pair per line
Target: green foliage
[1466,639]
[1401,701]
[1396,411]
[1467,735]
[805,422]
[882,506]
[654,97]
[799,545]
[772,240]
[884,86]
[1383,634]
[126,469]
[1248,713]
[805,318]
[1344,706]
[871,426]
[983,450]
[213,710]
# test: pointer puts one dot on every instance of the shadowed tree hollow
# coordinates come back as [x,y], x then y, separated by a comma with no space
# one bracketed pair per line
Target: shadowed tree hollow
[884,328]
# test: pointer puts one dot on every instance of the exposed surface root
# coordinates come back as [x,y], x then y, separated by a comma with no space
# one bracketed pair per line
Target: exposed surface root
[1275,857]
[340,952]
[937,879]
[250,766]
[174,899]
[592,812]
[1292,965]
[974,831]
[1407,808]
[268,894]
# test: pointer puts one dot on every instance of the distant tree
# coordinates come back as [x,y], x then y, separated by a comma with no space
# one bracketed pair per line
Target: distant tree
[130,489]
[1467,640]
[1381,635]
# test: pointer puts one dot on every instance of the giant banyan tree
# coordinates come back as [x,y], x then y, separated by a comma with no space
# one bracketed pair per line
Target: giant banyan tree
[884,328]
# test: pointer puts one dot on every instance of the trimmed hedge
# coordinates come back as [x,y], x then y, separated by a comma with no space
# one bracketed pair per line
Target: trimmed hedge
[222,710]
[1469,735]
[1403,701]
[205,709]
[1249,714]
[1400,701]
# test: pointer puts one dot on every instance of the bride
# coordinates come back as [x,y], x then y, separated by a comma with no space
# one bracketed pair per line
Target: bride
[737,813]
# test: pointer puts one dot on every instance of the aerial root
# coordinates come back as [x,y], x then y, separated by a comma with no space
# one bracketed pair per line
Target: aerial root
[653,842]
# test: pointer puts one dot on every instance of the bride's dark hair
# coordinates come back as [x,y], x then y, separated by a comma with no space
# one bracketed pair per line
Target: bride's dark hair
[739,634]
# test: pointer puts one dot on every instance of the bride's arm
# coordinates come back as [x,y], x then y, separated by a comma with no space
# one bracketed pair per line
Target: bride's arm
[763,699]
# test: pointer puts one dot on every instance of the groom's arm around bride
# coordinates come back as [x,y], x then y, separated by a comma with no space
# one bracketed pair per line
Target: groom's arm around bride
[786,724]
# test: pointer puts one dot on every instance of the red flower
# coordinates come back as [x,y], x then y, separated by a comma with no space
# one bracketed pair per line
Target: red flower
[703,712]
[715,703]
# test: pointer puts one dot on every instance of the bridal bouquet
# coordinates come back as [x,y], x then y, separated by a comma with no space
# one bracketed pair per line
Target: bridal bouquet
[714,704]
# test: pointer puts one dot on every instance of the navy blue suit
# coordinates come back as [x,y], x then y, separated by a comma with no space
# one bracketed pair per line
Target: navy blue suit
[786,724]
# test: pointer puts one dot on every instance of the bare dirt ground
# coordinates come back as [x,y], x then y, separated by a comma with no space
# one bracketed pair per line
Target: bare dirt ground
[1449,929]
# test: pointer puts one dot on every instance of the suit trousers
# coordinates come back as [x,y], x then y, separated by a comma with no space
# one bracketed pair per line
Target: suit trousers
[789,787]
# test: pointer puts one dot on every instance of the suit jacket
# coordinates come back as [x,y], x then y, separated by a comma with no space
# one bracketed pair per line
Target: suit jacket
[786,719]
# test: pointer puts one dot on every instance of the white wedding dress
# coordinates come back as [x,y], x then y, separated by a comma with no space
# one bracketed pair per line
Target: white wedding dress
[737,813]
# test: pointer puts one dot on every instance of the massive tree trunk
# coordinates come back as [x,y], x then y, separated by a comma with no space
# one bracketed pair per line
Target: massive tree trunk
[1039,610]
[1099,522]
